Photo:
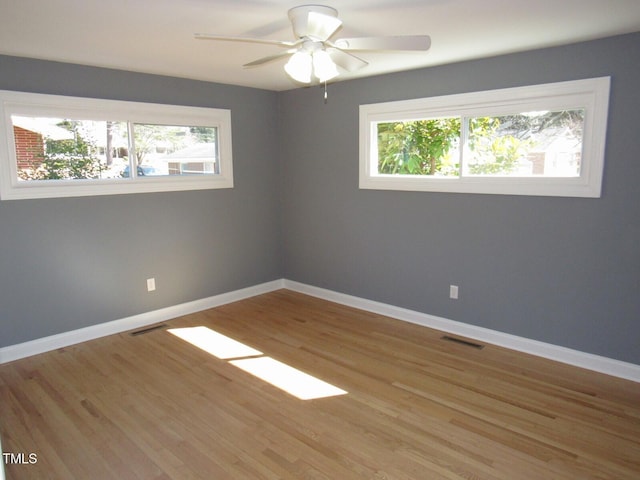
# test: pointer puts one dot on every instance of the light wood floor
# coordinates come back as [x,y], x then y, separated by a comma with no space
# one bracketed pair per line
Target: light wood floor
[153,406]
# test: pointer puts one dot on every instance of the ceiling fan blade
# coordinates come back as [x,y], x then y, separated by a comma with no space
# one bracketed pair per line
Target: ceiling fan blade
[321,26]
[270,58]
[346,60]
[399,42]
[209,36]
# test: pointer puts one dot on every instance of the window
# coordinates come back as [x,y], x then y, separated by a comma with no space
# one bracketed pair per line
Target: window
[55,146]
[537,140]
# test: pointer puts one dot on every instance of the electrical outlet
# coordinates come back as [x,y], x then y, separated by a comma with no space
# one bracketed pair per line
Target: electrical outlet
[151,284]
[453,292]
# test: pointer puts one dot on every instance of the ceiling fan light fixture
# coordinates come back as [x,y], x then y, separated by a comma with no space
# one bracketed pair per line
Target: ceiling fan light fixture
[299,67]
[323,67]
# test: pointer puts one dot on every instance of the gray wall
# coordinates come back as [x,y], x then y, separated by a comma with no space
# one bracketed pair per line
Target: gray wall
[559,270]
[69,263]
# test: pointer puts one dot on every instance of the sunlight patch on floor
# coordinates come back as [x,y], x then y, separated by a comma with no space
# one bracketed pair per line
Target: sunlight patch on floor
[289,379]
[278,374]
[215,343]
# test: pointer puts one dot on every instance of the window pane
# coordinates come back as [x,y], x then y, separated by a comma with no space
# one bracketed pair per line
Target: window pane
[175,150]
[545,144]
[67,149]
[419,147]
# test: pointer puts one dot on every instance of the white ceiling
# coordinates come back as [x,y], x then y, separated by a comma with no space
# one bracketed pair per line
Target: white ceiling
[156,36]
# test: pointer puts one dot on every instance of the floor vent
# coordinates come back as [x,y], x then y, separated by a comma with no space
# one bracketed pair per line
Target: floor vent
[462,342]
[147,330]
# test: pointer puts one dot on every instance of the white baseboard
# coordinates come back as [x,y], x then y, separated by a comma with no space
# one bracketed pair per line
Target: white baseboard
[41,345]
[589,361]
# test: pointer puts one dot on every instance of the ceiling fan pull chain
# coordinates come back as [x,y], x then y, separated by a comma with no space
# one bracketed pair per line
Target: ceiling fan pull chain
[325,92]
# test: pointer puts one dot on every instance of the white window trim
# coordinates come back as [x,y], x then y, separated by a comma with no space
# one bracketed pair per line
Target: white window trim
[21,103]
[590,94]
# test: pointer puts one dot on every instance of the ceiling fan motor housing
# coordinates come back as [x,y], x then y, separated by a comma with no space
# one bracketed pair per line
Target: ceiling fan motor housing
[299,17]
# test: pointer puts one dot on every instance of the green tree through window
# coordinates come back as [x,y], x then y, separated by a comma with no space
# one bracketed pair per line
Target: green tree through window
[67,159]
[496,145]
[419,147]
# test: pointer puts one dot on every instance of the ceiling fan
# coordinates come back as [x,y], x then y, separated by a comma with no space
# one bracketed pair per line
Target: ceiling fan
[314,55]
